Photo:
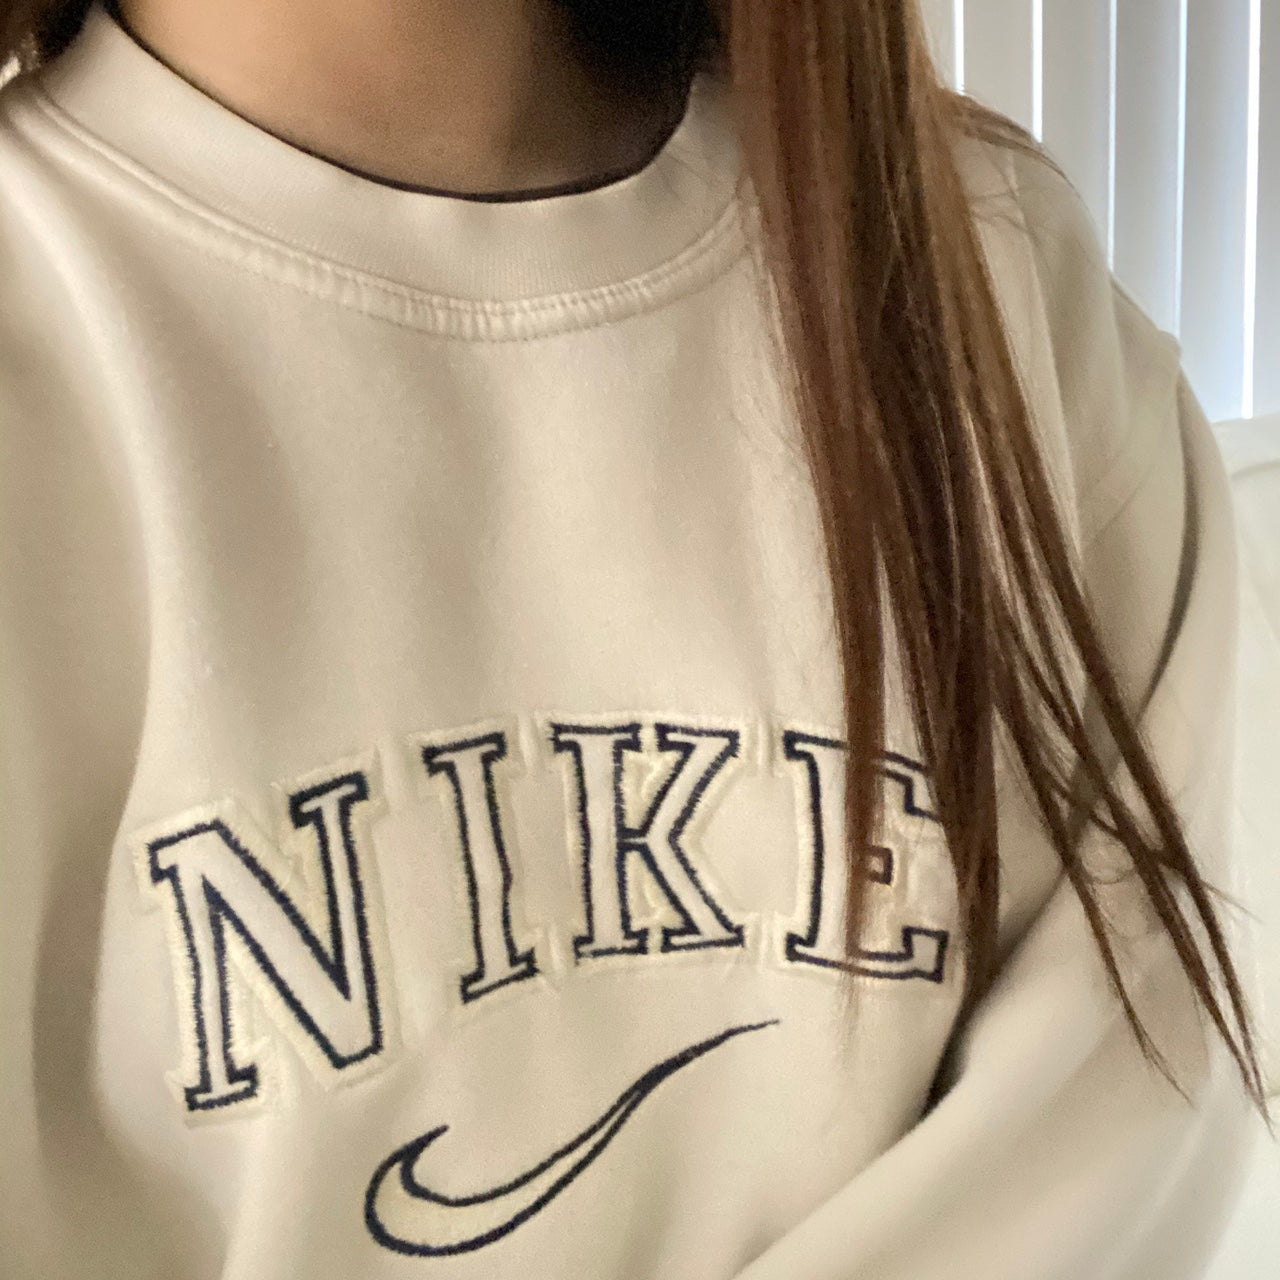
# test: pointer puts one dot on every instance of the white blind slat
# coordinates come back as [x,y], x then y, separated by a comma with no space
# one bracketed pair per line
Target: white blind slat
[1147,146]
[940,19]
[1213,289]
[1266,392]
[1077,116]
[998,56]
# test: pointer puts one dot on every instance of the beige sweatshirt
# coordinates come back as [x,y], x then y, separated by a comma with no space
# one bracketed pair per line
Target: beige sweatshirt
[420,793]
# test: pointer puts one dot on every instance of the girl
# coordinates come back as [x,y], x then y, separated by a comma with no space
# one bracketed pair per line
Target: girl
[616,663]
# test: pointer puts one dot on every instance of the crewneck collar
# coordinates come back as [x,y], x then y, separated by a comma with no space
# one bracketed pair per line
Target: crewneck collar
[125,100]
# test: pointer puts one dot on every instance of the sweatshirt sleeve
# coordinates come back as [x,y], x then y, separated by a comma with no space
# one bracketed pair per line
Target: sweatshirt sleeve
[1058,1152]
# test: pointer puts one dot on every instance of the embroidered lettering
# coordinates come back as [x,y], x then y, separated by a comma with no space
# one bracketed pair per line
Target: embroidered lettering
[822,759]
[605,838]
[218,886]
[468,765]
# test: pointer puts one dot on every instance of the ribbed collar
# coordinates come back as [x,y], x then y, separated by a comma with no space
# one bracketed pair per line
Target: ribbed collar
[125,98]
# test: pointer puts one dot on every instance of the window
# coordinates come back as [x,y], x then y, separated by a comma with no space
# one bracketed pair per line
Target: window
[1166,116]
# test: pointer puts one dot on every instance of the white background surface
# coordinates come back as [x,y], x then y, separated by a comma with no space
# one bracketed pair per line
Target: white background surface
[1251,1248]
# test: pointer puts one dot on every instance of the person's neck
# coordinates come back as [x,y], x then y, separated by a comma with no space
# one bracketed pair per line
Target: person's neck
[440,94]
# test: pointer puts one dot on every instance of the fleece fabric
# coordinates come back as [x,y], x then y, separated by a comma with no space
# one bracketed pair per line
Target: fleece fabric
[420,754]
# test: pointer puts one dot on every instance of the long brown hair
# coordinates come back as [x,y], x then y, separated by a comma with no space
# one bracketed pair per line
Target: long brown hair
[920,444]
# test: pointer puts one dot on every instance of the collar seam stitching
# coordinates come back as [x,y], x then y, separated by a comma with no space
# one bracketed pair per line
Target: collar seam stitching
[655,285]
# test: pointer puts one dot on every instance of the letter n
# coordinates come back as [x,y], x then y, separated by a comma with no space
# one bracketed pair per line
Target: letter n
[317,983]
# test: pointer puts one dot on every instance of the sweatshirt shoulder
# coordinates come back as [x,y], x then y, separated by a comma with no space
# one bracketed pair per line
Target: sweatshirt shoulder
[1104,375]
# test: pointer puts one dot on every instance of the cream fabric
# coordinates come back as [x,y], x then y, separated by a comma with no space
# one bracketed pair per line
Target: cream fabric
[420,770]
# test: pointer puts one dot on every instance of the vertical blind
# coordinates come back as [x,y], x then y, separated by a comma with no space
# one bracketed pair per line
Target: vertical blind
[1165,114]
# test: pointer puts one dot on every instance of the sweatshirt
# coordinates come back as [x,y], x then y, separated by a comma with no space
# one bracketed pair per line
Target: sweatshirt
[420,762]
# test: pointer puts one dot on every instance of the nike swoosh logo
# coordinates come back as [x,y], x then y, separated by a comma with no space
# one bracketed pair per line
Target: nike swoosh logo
[405,1215]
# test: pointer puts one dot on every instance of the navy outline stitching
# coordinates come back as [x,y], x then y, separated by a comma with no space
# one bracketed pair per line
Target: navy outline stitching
[611,1121]
[626,737]
[793,742]
[523,964]
[220,913]
[636,839]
